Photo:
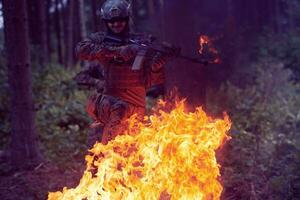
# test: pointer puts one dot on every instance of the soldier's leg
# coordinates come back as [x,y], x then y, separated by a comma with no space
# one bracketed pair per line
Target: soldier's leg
[116,124]
[113,113]
[95,135]
[95,131]
[138,110]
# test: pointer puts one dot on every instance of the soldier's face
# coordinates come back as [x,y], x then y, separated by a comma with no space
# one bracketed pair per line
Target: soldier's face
[117,26]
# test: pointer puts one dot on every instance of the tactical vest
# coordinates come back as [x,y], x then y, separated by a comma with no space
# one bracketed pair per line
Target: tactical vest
[121,75]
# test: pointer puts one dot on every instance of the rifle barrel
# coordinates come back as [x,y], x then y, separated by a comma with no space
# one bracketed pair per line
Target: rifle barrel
[194,60]
[191,59]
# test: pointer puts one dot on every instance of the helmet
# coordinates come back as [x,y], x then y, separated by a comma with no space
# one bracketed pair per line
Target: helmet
[115,9]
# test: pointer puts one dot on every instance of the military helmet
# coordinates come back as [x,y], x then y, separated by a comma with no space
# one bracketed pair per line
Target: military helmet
[115,9]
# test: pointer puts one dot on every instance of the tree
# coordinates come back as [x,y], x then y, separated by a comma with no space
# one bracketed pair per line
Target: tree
[79,28]
[177,32]
[57,20]
[48,29]
[43,24]
[95,6]
[38,28]
[24,148]
[83,33]
[70,34]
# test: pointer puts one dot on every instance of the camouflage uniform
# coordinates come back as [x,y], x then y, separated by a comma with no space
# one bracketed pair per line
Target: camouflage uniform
[91,78]
[124,89]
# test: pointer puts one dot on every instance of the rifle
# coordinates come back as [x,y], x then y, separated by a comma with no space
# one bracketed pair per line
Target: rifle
[166,49]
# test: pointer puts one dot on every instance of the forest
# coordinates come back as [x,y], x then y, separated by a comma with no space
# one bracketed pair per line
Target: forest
[44,124]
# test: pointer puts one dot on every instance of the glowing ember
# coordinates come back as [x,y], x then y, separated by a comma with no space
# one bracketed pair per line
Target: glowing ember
[171,156]
[204,42]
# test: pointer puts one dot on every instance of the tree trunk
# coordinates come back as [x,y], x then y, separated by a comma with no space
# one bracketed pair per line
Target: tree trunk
[94,15]
[162,21]
[37,28]
[255,18]
[70,34]
[33,22]
[64,10]
[43,34]
[151,7]
[58,32]
[48,29]
[178,33]
[83,33]
[134,8]
[77,27]
[290,16]
[277,23]
[24,150]
[95,7]
[155,17]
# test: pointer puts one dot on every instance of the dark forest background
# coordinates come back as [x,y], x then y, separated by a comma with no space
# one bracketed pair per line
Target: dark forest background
[42,114]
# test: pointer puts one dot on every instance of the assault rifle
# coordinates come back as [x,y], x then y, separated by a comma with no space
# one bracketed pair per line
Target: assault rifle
[165,49]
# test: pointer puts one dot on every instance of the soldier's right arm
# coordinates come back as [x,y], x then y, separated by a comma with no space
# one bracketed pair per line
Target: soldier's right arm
[90,77]
[93,48]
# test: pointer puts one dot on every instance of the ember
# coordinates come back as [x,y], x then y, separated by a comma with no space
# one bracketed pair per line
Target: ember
[169,156]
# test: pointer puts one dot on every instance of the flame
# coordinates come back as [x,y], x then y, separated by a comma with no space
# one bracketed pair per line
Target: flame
[169,156]
[205,41]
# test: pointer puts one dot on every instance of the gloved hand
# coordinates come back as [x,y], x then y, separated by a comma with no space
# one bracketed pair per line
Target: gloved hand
[159,60]
[127,52]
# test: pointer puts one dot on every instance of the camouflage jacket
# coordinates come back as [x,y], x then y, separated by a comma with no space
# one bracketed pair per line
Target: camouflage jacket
[120,80]
[91,77]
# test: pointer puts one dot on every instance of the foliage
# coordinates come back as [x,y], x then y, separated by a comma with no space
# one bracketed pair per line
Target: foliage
[61,120]
[262,160]
[284,47]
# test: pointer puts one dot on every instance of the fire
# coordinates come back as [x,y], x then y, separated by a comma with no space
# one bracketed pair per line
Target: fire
[206,44]
[169,156]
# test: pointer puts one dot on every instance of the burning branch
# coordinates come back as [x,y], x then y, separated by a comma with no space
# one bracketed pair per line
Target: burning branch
[207,47]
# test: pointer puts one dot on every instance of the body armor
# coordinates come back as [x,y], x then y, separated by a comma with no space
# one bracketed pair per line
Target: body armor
[122,76]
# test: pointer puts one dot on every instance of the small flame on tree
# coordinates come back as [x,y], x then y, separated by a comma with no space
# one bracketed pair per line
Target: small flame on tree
[207,47]
[171,155]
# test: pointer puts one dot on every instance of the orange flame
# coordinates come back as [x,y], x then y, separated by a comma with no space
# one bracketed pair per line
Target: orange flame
[206,41]
[171,156]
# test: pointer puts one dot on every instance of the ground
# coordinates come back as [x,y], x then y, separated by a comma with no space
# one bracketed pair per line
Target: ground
[35,184]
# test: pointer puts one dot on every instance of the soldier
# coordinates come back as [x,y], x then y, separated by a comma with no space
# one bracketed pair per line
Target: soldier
[123,86]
